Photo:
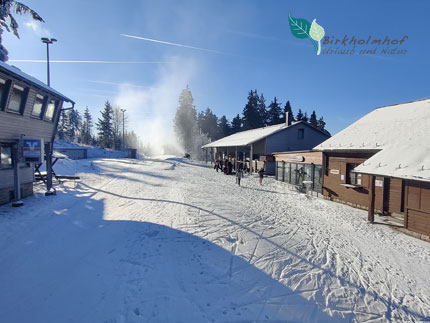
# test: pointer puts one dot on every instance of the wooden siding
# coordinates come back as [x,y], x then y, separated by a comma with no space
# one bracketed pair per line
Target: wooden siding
[417,216]
[6,176]
[393,195]
[7,193]
[334,190]
[310,157]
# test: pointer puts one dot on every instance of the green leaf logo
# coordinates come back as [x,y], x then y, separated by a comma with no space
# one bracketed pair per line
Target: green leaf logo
[301,28]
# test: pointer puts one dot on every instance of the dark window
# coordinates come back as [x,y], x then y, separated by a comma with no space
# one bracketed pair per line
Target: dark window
[352,178]
[4,92]
[300,133]
[6,156]
[50,110]
[17,99]
[39,102]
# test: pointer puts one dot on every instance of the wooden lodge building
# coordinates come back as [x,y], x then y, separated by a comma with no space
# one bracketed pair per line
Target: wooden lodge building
[28,109]
[382,163]
[259,145]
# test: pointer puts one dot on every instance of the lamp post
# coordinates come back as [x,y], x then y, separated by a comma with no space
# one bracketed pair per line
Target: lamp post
[48,41]
[123,142]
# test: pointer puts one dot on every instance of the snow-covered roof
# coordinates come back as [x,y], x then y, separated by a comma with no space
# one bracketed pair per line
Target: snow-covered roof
[407,160]
[382,127]
[17,72]
[401,133]
[246,137]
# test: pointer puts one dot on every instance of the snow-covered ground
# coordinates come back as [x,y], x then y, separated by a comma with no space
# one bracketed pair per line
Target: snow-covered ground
[171,241]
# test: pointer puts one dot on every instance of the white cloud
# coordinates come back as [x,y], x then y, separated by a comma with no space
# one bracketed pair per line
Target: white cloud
[151,111]
[37,28]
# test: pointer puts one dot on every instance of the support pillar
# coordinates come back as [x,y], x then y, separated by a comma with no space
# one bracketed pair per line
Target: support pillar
[250,159]
[48,152]
[371,199]
[235,160]
[16,176]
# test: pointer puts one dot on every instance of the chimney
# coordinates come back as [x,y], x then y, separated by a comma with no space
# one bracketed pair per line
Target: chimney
[288,118]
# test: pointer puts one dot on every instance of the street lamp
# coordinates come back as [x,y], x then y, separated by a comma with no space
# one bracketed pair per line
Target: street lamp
[123,142]
[48,41]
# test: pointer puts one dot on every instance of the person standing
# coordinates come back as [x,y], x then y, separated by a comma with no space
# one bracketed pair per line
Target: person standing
[239,174]
[261,175]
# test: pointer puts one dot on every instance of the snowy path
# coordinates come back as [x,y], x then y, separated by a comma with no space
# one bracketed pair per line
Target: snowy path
[164,241]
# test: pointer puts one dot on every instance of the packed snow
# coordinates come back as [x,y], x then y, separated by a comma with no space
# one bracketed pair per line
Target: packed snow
[175,241]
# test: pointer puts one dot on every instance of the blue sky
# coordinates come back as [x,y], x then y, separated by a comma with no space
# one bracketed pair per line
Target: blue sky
[257,51]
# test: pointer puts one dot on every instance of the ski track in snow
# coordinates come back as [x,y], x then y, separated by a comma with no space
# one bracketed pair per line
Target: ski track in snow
[172,241]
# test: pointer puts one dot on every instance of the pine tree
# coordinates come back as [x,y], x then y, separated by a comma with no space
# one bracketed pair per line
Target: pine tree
[87,125]
[274,113]
[251,116]
[73,125]
[105,127]
[305,117]
[313,119]
[321,124]
[62,126]
[262,111]
[185,122]
[6,9]
[300,115]
[208,124]
[288,109]
[118,118]
[236,124]
[224,127]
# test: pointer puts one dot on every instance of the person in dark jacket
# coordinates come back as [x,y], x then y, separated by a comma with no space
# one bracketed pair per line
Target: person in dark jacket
[261,175]
[239,174]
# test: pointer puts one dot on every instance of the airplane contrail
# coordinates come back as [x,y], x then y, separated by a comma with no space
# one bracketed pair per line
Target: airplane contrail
[79,61]
[174,44]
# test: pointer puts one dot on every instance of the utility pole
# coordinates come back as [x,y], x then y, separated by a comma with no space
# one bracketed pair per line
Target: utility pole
[123,124]
[48,41]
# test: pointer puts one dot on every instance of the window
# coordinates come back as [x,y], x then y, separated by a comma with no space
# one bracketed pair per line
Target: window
[50,110]
[352,178]
[317,178]
[6,156]
[17,99]
[4,91]
[300,133]
[38,106]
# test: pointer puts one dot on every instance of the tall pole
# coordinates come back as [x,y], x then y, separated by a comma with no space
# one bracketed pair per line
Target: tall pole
[48,41]
[123,123]
[47,61]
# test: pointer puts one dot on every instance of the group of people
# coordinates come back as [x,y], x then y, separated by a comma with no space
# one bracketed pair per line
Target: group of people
[227,168]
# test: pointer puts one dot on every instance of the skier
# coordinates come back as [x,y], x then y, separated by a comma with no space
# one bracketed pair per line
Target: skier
[261,175]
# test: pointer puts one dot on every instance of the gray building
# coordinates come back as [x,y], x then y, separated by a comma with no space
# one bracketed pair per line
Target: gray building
[260,144]
[28,109]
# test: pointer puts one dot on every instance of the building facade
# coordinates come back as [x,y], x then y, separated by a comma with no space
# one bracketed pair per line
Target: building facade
[259,145]
[28,109]
[301,169]
[382,163]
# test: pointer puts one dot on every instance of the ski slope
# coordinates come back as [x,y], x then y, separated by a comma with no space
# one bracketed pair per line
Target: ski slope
[173,241]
